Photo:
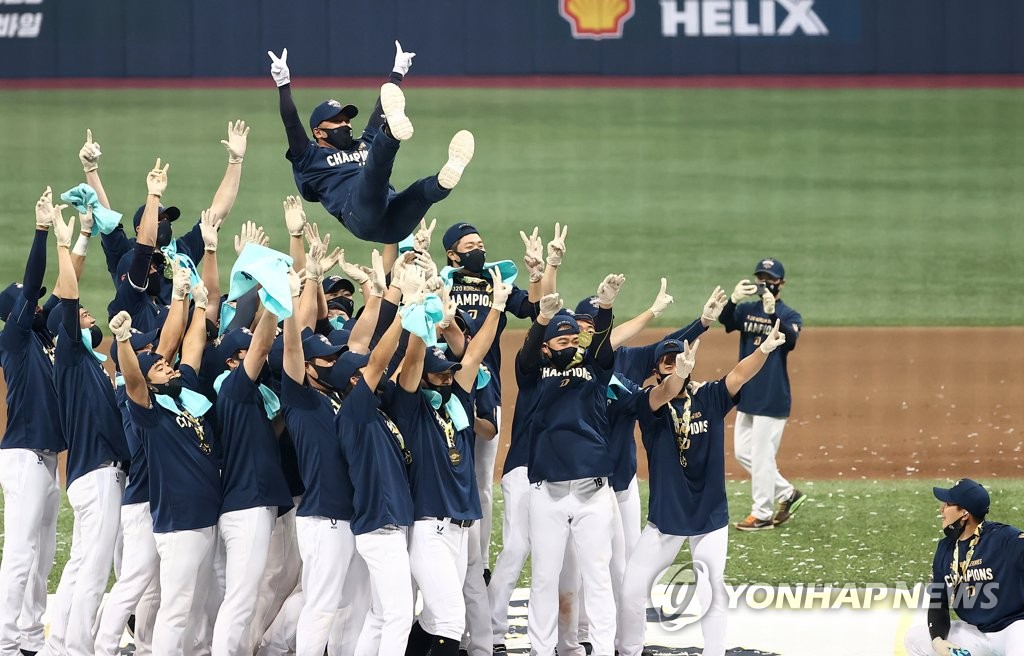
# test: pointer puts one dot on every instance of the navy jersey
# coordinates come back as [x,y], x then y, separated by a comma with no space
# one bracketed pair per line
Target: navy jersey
[184,482]
[570,423]
[147,315]
[137,490]
[623,398]
[994,574]
[117,248]
[473,294]
[687,500]
[252,475]
[309,416]
[85,400]
[27,361]
[328,175]
[442,472]
[767,393]
[373,447]
[519,443]
[637,362]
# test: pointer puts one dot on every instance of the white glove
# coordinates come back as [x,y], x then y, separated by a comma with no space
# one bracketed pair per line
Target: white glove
[328,261]
[434,285]
[156,180]
[410,280]
[421,240]
[405,260]
[314,271]
[556,247]
[180,281]
[238,135]
[279,68]
[378,279]
[550,304]
[209,226]
[358,274]
[62,231]
[534,257]
[609,288]
[294,282]
[403,60]
[662,300]
[942,646]
[686,360]
[200,295]
[44,210]
[90,153]
[743,289]
[500,290]
[121,326]
[250,234]
[312,231]
[768,300]
[773,340]
[85,222]
[294,216]
[448,309]
[713,308]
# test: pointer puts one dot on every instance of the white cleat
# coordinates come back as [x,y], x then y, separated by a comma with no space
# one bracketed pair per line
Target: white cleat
[460,153]
[392,101]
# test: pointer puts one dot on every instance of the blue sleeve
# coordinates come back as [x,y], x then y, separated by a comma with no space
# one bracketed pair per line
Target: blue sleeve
[143,417]
[191,244]
[360,406]
[189,377]
[138,270]
[386,317]
[519,305]
[717,396]
[790,325]
[637,362]
[115,245]
[293,128]
[238,387]
[294,395]
[528,360]
[648,419]
[35,269]
[731,317]
[69,319]
[604,356]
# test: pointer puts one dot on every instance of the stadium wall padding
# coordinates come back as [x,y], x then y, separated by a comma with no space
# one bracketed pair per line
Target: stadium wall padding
[216,38]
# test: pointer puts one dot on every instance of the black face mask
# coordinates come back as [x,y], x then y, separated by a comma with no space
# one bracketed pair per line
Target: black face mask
[97,336]
[171,388]
[473,260]
[340,138]
[163,233]
[562,358]
[323,375]
[956,528]
[342,303]
[773,287]
[211,331]
[444,390]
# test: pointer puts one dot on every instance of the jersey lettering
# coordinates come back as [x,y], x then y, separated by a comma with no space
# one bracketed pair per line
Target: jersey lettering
[573,372]
[339,158]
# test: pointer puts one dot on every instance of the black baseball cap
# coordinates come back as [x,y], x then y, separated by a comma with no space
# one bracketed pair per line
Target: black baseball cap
[667,347]
[138,341]
[434,362]
[318,346]
[232,342]
[969,495]
[328,109]
[453,234]
[10,295]
[772,267]
[347,365]
[337,284]
[586,309]
[562,323]
[163,213]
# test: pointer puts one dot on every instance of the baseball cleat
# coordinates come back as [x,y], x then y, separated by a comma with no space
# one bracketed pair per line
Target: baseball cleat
[460,153]
[752,523]
[392,101]
[789,506]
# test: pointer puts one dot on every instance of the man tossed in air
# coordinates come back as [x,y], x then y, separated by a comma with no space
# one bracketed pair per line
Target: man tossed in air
[351,177]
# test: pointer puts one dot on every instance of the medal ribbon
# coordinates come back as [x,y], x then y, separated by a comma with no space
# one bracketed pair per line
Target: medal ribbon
[681,428]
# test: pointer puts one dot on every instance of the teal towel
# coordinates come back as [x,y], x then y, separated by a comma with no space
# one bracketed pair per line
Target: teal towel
[454,407]
[420,318]
[87,340]
[268,268]
[83,197]
[196,404]
[507,269]
[271,402]
[170,251]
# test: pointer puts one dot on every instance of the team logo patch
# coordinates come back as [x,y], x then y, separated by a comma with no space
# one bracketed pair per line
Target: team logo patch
[438,353]
[334,103]
[597,19]
[324,340]
[767,264]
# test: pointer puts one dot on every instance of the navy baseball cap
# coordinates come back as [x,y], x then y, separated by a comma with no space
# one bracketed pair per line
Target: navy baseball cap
[968,494]
[586,309]
[138,341]
[772,267]
[169,213]
[434,362]
[339,338]
[328,109]
[338,284]
[9,295]
[318,346]
[667,347]
[561,324]
[453,234]
[147,361]
[347,365]
[232,342]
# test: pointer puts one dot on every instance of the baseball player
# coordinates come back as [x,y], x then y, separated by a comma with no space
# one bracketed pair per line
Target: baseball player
[97,451]
[977,572]
[764,408]
[28,451]
[351,177]
[683,429]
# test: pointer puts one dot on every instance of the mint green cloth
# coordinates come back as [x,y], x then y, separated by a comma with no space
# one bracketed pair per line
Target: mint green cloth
[268,268]
[83,197]
[421,318]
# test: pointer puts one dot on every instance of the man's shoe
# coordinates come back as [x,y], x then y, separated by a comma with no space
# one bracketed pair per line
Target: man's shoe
[487,576]
[752,523]
[460,153]
[499,649]
[789,506]
[25,652]
[392,101]
[587,647]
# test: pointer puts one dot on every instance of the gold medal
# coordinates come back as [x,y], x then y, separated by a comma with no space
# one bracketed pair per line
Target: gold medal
[681,428]
[454,456]
[586,338]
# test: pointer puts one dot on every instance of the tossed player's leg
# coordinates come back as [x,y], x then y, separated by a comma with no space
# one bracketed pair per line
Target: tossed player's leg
[392,101]
[460,153]
[711,550]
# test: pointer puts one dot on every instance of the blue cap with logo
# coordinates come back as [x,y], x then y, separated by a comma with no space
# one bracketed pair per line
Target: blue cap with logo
[453,234]
[968,494]
[562,323]
[772,267]
[667,347]
[434,362]
[347,365]
[328,109]
[586,309]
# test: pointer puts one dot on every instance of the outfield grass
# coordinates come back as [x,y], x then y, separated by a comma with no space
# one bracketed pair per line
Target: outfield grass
[888,207]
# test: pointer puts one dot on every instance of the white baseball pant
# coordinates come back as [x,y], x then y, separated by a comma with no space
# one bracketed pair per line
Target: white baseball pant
[756,441]
[31,501]
[515,548]
[140,566]
[1008,642]
[583,511]
[477,640]
[629,512]
[145,614]
[326,547]
[279,639]
[653,554]
[280,576]
[485,453]
[438,555]
[185,557]
[386,553]
[95,499]
[246,536]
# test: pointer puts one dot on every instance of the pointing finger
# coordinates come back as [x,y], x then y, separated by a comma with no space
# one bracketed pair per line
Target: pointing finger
[88,135]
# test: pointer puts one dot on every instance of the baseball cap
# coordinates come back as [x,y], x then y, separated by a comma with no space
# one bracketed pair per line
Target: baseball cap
[347,365]
[434,362]
[339,337]
[968,494]
[772,267]
[329,109]
[8,297]
[453,234]
[586,309]
[137,341]
[561,324]
[232,342]
[338,284]
[147,361]
[667,347]
[318,346]
[169,213]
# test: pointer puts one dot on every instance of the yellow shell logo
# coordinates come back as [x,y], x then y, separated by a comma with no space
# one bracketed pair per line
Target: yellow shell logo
[596,19]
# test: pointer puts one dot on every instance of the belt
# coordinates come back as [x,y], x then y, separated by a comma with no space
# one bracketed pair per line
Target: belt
[111,463]
[464,523]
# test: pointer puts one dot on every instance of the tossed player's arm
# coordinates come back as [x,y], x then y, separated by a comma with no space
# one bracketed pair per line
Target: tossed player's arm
[671,385]
[134,381]
[195,337]
[296,133]
[481,343]
[259,347]
[748,367]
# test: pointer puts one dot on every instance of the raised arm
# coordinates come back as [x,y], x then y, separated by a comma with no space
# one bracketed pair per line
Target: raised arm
[624,332]
[533,258]
[748,367]
[134,381]
[294,363]
[295,222]
[556,251]
[365,327]
[481,343]
[672,384]
[529,357]
[78,253]
[195,338]
[67,280]
[210,224]
[305,309]
[35,268]
[224,197]
[607,292]
[174,325]
[382,353]
[728,314]
[297,138]
[259,347]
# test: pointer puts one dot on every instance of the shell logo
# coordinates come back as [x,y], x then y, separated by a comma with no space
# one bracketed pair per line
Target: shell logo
[596,19]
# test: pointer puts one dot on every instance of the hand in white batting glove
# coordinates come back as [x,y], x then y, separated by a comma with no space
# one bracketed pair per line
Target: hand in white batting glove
[200,295]
[687,360]
[44,210]
[403,60]
[156,180]
[410,280]
[86,222]
[209,226]
[378,279]
[713,308]
[768,300]
[121,326]
[550,304]
[294,216]
[500,290]
[314,271]
[329,260]
[294,282]
[662,300]
[609,289]
[421,240]
[534,256]
[181,283]
[62,231]
[772,340]
[448,309]
[250,234]
[279,68]
[743,289]
[90,153]
[238,136]
[358,274]
[556,247]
